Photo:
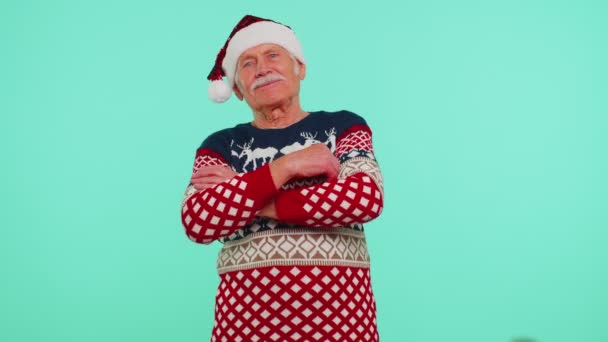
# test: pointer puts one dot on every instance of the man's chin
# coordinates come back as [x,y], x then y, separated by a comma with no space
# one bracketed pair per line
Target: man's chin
[270,101]
[269,94]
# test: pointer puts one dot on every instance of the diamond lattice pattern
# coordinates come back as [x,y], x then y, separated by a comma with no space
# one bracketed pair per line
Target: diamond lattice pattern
[357,140]
[355,199]
[225,207]
[295,303]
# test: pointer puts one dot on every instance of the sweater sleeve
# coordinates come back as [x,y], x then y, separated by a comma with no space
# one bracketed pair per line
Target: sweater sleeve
[356,197]
[218,211]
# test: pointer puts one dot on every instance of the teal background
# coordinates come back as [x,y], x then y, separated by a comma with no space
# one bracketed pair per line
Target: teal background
[489,122]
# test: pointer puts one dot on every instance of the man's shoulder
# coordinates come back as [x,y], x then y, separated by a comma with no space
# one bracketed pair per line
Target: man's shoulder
[223,136]
[343,121]
[220,143]
[343,116]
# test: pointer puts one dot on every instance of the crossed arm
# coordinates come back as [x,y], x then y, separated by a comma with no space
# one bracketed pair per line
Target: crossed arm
[219,201]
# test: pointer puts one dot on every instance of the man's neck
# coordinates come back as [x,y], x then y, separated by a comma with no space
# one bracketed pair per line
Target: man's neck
[280,116]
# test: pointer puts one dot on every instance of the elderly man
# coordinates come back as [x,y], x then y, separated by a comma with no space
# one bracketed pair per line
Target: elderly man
[286,194]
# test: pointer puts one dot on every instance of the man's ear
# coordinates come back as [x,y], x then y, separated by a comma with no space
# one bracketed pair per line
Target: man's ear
[302,73]
[237,92]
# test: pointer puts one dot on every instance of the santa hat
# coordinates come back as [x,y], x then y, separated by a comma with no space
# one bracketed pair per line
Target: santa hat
[249,32]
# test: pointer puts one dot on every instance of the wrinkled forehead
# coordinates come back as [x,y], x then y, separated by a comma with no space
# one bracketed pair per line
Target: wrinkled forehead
[263,49]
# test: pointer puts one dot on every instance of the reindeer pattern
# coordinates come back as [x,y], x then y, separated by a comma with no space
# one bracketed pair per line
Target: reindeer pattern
[250,156]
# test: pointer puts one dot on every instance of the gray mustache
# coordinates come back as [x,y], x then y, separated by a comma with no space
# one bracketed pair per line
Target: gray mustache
[266,79]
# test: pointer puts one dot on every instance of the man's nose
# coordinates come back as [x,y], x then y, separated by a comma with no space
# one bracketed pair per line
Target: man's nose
[262,68]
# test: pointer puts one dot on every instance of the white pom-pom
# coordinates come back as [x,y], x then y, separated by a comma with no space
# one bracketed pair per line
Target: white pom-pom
[219,91]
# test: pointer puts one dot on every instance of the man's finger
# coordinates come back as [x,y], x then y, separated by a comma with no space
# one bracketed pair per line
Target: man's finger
[209,179]
[213,170]
[213,175]
[207,172]
[204,184]
[333,170]
[332,175]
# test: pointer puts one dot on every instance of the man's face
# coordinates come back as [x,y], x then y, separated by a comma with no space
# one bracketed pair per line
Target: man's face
[266,76]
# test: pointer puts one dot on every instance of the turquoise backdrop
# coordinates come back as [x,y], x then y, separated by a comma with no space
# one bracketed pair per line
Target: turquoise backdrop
[490,125]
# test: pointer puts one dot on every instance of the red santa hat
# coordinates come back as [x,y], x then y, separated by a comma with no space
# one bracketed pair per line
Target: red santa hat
[249,32]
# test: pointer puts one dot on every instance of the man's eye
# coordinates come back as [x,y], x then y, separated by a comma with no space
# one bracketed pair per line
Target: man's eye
[273,55]
[247,64]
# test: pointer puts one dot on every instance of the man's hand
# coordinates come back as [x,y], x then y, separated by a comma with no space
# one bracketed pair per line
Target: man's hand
[269,210]
[315,160]
[208,176]
[312,161]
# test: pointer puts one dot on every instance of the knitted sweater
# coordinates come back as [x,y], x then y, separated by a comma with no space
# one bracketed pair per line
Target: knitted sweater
[304,276]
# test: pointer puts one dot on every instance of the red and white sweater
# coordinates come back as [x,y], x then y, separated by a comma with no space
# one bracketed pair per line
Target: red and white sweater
[305,276]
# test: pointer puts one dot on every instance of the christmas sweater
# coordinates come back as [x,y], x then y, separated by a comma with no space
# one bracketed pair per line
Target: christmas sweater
[304,276]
